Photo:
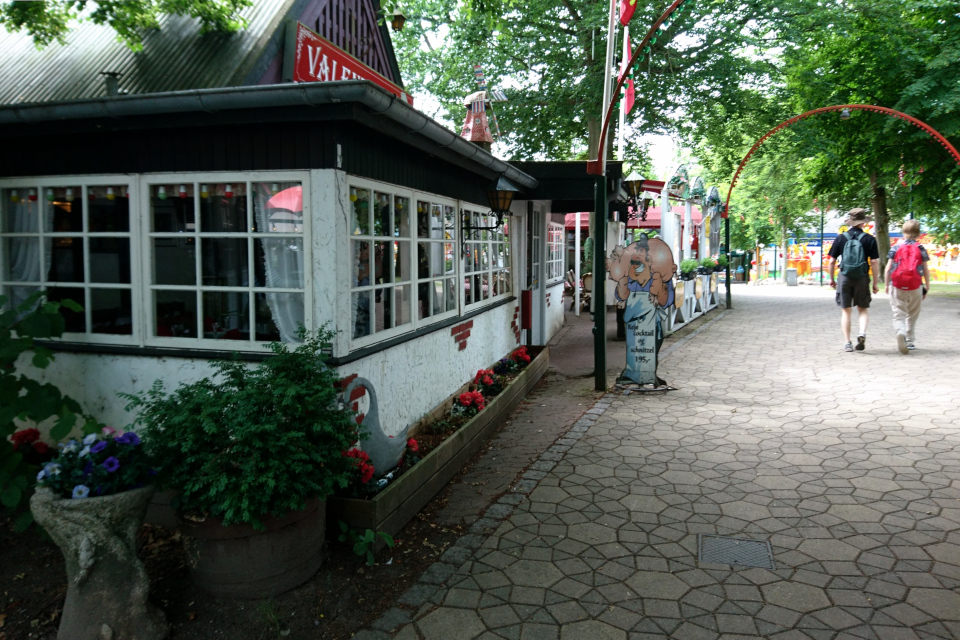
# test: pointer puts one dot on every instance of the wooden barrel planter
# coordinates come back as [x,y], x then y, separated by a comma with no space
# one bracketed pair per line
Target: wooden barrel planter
[239,562]
[395,506]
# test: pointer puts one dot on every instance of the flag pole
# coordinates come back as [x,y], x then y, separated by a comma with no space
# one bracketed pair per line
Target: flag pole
[621,135]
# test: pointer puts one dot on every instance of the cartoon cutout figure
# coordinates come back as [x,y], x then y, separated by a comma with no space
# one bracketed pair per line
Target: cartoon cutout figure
[644,272]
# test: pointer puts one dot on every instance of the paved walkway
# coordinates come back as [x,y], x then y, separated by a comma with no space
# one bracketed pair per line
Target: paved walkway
[847,464]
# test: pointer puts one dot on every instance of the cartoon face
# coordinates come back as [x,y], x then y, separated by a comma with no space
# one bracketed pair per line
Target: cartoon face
[639,269]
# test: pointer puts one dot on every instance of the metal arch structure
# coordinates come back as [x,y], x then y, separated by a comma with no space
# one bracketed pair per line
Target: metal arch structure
[595,167]
[936,135]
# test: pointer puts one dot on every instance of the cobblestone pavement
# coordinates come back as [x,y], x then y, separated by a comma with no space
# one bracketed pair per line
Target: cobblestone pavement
[846,463]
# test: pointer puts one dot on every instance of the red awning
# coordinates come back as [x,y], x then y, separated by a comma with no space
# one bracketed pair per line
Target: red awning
[570,221]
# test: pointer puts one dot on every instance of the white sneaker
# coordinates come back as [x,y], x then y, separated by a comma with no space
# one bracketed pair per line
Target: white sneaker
[911,346]
[902,343]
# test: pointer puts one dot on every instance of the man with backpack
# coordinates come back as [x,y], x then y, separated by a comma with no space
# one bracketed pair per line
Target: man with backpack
[859,256]
[906,265]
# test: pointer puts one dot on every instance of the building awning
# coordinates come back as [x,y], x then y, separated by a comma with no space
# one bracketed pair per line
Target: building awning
[570,220]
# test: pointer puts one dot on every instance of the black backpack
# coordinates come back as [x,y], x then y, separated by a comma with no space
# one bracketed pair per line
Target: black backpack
[853,261]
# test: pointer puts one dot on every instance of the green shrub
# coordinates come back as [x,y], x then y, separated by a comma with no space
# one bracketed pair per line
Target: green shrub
[708,263]
[722,260]
[688,266]
[260,440]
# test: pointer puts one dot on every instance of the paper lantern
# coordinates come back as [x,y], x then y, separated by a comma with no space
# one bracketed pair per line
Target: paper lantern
[274,188]
[204,191]
[228,191]
[14,196]
[110,194]
[69,194]
[353,194]
[49,195]
[182,191]
[33,195]
[162,192]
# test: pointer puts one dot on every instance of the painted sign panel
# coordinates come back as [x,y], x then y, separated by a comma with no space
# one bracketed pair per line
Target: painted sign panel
[309,57]
[644,272]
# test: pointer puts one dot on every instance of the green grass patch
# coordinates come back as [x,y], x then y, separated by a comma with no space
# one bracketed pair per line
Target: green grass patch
[944,290]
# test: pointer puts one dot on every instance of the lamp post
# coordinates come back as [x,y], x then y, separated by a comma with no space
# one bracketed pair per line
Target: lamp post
[821,247]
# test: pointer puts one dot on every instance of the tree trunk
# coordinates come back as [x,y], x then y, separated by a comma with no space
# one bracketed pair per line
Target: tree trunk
[881,219]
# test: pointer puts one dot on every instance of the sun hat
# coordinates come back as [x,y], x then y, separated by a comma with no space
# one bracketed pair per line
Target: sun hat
[856,217]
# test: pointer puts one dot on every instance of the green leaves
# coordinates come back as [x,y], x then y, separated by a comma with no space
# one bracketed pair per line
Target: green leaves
[363,541]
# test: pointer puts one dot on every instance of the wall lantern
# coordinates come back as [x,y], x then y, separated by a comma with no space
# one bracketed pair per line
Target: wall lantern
[634,186]
[500,197]
[397,21]
[845,114]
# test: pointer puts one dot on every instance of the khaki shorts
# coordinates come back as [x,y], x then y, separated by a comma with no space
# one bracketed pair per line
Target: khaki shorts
[853,292]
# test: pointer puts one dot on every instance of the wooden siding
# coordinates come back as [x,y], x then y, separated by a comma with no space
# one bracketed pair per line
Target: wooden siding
[239,146]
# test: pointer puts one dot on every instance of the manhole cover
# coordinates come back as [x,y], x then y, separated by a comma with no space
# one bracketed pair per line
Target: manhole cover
[736,551]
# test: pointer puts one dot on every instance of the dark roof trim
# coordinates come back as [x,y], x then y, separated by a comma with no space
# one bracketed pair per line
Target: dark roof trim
[267,96]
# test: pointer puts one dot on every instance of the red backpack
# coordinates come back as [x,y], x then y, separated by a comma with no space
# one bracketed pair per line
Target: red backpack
[907,261]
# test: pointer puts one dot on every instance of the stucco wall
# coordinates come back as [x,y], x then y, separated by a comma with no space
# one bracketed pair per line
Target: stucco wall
[554,310]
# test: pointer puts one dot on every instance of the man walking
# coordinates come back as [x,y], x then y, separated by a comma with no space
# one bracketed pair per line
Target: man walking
[856,249]
[906,266]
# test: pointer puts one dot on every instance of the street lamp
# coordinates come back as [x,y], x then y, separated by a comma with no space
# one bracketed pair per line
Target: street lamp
[845,114]
[500,197]
[397,20]
[634,186]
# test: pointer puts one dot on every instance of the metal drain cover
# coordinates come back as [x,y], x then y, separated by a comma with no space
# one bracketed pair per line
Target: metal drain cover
[736,551]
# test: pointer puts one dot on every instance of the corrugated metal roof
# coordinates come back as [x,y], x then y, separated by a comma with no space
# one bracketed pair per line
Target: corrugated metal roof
[175,57]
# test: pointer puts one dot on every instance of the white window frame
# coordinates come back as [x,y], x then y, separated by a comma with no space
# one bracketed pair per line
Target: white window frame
[146,251]
[491,241]
[347,261]
[41,184]
[555,249]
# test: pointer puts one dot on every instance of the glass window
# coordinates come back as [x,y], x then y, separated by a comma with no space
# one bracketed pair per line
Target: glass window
[554,252]
[74,241]
[238,275]
[486,260]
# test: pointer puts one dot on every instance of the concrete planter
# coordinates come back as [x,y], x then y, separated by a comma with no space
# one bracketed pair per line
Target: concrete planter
[237,561]
[392,508]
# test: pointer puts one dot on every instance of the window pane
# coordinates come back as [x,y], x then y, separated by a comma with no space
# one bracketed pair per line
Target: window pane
[64,211]
[226,315]
[434,258]
[383,313]
[76,321]
[111,311]
[278,316]
[279,262]
[220,213]
[437,297]
[174,261]
[176,313]
[401,261]
[109,208]
[171,208]
[436,221]
[485,286]
[360,199]
[224,262]
[467,291]
[18,294]
[110,260]
[449,222]
[450,294]
[423,219]
[278,207]
[401,217]
[361,263]
[401,304]
[449,258]
[361,313]
[22,262]
[20,212]
[506,281]
[425,303]
[382,225]
[383,256]
[66,260]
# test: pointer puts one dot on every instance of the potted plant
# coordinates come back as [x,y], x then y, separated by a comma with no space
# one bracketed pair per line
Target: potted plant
[707,266]
[688,268]
[252,457]
[722,262]
[92,500]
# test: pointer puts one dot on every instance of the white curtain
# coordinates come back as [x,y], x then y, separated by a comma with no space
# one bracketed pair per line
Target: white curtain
[23,253]
[282,262]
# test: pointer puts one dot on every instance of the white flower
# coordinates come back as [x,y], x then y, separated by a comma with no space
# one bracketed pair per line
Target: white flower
[84,452]
[41,475]
[90,439]
[71,446]
[51,469]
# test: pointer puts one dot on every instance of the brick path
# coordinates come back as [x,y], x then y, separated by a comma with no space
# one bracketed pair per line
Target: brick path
[846,463]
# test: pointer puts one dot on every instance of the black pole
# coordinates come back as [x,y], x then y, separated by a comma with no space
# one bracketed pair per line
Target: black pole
[726,247]
[599,297]
[821,248]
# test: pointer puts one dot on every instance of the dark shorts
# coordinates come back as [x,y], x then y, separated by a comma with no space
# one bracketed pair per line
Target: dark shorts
[853,292]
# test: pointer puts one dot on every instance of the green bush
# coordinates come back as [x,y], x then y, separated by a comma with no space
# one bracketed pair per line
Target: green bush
[722,260]
[688,266]
[708,263]
[24,399]
[261,440]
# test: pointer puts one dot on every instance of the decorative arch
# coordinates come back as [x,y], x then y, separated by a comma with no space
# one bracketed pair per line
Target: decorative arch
[936,135]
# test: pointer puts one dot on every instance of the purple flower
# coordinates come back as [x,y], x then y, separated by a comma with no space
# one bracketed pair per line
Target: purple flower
[111,464]
[128,438]
[100,446]
[87,469]
[81,491]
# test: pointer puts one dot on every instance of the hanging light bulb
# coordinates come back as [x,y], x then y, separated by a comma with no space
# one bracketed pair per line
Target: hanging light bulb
[845,114]
[162,192]
[14,196]
[228,191]
[182,191]
[110,194]
[33,195]
[353,194]
[69,194]
[204,191]
[49,195]
[274,188]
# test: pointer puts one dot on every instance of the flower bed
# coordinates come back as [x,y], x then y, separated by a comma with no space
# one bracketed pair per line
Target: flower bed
[394,506]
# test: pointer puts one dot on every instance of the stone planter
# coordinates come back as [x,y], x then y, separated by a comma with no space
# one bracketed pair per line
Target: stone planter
[237,561]
[395,506]
[107,586]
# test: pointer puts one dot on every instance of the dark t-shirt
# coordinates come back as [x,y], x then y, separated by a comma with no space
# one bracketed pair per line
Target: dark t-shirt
[870,248]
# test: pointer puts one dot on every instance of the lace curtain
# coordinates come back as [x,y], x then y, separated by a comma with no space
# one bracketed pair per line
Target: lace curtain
[283,256]
[23,252]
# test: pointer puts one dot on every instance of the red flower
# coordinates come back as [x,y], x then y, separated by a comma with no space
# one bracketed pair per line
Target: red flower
[465,399]
[41,447]
[412,445]
[363,466]
[488,380]
[25,436]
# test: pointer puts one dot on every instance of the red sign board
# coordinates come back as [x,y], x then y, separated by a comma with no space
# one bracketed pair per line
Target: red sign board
[309,57]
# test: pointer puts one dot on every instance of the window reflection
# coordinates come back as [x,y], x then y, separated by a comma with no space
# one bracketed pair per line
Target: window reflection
[172,208]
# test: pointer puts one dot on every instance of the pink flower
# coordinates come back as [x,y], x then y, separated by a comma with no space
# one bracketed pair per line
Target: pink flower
[110,431]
